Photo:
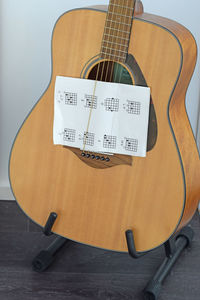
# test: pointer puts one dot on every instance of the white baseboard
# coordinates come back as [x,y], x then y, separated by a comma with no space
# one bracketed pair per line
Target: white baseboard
[6,193]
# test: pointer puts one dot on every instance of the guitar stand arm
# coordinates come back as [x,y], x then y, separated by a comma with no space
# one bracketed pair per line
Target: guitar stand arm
[131,245]
[173,249]
[46,257]
[49,224]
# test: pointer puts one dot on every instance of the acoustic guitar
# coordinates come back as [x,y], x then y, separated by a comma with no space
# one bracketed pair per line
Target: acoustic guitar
[99,197]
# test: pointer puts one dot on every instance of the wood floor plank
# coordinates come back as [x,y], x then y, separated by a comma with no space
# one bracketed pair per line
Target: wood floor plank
[71,286]
[12,218]
[33,227]
[27,286]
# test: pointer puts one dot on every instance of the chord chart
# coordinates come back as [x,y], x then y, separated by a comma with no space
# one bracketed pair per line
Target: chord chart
[112,104]
[131,145]
[69,135]
[133,107]
[109,141]
[88,139]
[70,98]
[91,101]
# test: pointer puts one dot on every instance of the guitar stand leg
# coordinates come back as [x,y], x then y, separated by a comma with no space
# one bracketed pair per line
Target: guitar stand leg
[173,249]
[46,257]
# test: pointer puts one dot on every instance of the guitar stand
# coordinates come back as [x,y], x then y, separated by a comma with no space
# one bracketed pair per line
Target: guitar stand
[173,249]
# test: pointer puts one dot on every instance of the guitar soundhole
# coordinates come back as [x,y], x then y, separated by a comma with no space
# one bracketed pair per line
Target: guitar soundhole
[110,71]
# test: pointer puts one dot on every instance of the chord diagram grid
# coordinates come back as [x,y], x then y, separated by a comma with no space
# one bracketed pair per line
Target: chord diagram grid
[134,107]
[131,145]
[69,135]
[112,104]
[88,139]
[109,141]
[70,98]
[91,101]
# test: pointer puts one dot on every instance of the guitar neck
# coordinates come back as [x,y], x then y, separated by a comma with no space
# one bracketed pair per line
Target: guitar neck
[117,30]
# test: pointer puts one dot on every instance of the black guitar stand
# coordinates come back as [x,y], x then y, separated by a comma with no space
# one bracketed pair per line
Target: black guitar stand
[173,249]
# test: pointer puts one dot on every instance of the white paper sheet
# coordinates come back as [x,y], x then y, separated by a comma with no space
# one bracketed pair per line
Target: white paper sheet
[119,116]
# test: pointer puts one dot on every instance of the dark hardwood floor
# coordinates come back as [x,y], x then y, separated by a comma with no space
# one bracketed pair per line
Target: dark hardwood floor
[82,272]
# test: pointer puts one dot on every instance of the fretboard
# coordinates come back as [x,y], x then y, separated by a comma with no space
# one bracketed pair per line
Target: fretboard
[117,30]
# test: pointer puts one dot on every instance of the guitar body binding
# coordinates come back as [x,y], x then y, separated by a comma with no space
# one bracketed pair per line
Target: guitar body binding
[153,196]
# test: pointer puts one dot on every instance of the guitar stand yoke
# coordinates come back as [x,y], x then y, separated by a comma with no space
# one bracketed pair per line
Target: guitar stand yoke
[173,249]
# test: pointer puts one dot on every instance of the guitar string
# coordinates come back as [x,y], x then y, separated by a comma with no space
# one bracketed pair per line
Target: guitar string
[117,29]
[109,31]
[121,21]
[91,108]
[96,80]
[94,91]
[134,3]
[126,7]
[115,47]
[121,72]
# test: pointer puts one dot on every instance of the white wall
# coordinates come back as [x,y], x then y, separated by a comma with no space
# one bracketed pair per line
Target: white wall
[198,135]
[25,39]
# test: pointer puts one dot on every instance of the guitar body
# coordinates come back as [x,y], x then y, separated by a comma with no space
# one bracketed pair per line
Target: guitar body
[154,196]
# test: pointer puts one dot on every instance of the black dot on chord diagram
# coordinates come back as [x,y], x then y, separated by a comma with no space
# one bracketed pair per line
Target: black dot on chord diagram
[112,104]
[134,107]
[109,141]
[70,98]
[131,145]
[91,101]
[88,139]
[69,135]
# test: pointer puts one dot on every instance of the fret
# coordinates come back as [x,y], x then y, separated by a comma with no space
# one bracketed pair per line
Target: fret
[118,44]
[121,11]
[121,23]
[124,16]
[119,7]
[114,49]
[119,37]
[113,55]
[122,6]
[118,30]
[129,4]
